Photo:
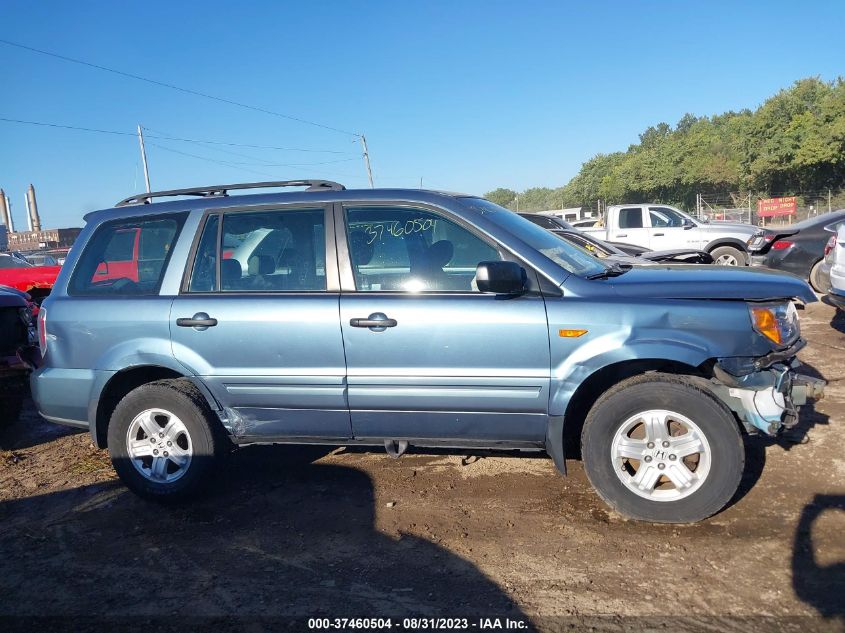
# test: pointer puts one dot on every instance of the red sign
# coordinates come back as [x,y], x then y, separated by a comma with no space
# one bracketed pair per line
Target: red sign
[774,207]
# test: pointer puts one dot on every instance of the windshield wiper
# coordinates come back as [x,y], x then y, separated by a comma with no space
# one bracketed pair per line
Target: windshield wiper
[614,270]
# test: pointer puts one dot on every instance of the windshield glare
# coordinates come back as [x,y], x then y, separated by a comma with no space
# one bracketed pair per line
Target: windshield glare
[569,257]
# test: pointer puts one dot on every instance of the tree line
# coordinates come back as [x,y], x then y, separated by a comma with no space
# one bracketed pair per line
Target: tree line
[793,142]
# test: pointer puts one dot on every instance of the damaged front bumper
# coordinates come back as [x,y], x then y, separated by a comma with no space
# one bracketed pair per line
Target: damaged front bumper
[766,392]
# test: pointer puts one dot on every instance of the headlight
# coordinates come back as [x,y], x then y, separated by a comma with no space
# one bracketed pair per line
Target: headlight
[777,322]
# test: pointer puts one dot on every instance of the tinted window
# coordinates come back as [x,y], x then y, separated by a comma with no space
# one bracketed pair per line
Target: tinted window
[204,271]
[113,264]
[413,250]
[630,218]
[121,245]
[273,251]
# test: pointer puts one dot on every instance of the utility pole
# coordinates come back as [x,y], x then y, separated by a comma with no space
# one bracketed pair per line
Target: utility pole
[367,160]
[144,158]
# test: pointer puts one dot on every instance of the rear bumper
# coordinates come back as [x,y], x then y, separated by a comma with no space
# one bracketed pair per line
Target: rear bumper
[756,260]
[63,395]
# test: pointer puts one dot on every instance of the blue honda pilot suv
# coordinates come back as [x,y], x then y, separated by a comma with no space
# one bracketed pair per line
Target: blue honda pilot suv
[179,328]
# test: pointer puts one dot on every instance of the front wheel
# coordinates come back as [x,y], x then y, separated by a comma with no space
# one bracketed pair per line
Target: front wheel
[161,440]
[658,448]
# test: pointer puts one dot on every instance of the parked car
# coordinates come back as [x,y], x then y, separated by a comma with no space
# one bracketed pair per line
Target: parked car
[639,256]
[622,253]
[795,248]
[18,273]
[661,227]
[833,268]
[411,317]
[17,332]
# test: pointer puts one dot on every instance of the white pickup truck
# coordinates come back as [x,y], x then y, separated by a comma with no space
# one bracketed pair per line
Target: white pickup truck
[661,227]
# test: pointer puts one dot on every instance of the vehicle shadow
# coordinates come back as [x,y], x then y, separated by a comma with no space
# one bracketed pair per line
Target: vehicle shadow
[820,585]
[278,540]
[838,321]
[31,429]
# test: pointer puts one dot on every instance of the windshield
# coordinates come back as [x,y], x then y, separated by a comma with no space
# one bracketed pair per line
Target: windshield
[569,257]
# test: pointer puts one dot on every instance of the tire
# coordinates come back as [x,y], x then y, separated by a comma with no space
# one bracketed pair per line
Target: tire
[714,471]
[728,256]
[176,412]
[815,277]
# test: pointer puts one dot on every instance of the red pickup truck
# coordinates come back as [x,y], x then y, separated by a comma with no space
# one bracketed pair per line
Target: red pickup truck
[23,276]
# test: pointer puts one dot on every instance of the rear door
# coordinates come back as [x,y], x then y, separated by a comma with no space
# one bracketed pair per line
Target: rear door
[257,321]
[450,364]
[631,227]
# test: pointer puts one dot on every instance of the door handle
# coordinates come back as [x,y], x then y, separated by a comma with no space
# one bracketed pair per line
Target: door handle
[377,322]
[658,235]
[622,235]
[200,321]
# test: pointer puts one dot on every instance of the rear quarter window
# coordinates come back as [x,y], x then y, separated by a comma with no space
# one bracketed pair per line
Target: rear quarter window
[126,257]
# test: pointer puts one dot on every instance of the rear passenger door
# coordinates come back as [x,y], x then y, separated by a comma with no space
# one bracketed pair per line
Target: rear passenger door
[257,321]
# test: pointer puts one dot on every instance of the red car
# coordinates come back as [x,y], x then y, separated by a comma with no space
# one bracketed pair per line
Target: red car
[21,275]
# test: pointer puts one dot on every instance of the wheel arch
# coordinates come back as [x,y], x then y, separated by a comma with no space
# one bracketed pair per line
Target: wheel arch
[726,241]
[126,380]
[565,430]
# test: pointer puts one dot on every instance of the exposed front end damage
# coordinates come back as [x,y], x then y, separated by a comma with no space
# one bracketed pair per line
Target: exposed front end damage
[765,392]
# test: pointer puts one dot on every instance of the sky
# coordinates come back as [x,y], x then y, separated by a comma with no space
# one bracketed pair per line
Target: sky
[456,95]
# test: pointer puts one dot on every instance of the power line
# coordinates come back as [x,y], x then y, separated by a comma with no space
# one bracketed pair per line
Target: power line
[178,88]
[238,166]
[259,162]
[173,138]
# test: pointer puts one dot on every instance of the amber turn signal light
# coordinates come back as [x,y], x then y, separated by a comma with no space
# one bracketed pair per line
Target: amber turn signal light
[571,333]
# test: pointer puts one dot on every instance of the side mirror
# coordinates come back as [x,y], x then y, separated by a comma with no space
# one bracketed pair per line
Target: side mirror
[501,278]
[688,224]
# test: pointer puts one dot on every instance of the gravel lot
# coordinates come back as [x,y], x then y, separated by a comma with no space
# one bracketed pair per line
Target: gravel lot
[295,532]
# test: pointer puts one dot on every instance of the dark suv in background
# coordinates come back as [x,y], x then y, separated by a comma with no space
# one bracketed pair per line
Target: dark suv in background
[17,336]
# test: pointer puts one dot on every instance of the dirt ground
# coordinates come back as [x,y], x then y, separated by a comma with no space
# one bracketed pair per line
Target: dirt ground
[291,533]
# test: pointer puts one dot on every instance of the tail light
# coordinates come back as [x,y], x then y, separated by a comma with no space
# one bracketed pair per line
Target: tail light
[831,244]
[782,245]
[42,330]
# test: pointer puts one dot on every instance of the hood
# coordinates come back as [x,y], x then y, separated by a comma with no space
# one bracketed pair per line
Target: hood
[733,227]
[710,282]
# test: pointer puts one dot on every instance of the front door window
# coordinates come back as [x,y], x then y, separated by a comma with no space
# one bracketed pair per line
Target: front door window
[413,250]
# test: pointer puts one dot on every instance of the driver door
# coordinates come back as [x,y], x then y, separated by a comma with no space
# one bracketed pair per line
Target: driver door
[450,364]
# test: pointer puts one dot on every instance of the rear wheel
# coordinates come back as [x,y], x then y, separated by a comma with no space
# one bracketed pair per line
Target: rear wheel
[658,448]
[161,440]
[728,256]
[815,277]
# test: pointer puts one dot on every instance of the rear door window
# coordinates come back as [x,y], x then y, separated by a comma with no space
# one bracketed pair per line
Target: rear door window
[264,251]
[631,218]
[126,257]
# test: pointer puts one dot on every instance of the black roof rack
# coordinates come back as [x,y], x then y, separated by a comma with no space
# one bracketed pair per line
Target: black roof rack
[222,190]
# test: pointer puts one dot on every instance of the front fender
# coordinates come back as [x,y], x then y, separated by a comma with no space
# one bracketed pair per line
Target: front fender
[577,369]
[688,332]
